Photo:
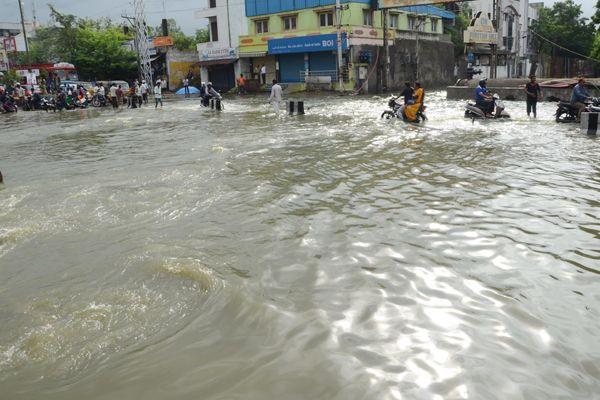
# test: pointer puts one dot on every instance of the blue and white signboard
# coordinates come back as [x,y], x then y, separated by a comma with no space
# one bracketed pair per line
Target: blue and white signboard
[306,44]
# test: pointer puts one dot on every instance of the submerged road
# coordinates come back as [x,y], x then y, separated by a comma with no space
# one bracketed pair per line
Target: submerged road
[184,253]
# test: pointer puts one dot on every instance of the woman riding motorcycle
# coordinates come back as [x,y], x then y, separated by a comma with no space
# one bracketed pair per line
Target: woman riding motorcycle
[411,110]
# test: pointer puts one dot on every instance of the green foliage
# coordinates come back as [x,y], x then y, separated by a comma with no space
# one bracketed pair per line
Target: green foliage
[563,25]
[202,35]
[9,78]
[596,16]
[595,52]
[93,46]
[461,22]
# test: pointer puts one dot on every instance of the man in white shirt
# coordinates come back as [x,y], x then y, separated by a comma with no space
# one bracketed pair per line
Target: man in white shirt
[275,98]
[263,74]
[158,94]
[144,89]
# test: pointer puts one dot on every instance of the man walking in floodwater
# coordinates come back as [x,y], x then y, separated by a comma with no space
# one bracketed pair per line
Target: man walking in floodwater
[275,98]
[158,94]
[534,92]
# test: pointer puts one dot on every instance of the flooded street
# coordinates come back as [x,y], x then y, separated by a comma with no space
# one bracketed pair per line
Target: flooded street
[184,253]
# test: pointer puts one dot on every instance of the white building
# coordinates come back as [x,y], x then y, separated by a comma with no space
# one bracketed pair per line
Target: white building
[514,38]
[219,58]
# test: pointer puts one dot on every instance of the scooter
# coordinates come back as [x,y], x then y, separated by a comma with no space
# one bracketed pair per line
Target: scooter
[396,111]
[99,101]
[473,111]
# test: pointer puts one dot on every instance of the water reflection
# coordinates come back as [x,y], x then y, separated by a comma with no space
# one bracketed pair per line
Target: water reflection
[181,252]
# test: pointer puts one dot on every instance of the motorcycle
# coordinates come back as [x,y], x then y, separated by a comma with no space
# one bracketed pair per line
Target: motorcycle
[566,112]
[47,104]
[396,111]
[473,111]
[8,106]
[99,101]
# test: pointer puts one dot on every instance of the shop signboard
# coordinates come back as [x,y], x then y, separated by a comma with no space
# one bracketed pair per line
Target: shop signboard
[210,52]
[405,3]
[306,44]
[481,30]
[162,41]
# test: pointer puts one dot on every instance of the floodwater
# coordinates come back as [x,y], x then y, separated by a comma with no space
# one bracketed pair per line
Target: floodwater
[189,254]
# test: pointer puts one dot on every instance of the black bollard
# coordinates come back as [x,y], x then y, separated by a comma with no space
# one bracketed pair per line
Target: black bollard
[218,104]
[291,107]
[589,122]
[212,104]
[300,108]
[1,179]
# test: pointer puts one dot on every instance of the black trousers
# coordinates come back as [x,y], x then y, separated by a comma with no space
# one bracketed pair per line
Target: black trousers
[531,106]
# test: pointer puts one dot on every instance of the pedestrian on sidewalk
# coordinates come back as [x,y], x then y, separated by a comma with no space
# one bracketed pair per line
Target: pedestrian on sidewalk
[263,74]
[158,94]
[534,93]
[276,95]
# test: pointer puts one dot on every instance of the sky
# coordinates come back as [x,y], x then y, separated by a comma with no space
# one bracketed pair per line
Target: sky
[181,10]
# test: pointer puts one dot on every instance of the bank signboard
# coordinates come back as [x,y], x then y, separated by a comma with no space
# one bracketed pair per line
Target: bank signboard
[481,30]
[214,51]
[404,3]
[306,44]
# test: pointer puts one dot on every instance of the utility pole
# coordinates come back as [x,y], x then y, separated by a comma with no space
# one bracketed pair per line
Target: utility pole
[417,36]
[24,31]
[386,57]
[495,47]
[338,16]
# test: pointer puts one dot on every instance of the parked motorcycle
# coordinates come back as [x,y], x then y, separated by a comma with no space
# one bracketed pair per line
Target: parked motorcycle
[48,104]
[566,112]
[396,111]
[473,111]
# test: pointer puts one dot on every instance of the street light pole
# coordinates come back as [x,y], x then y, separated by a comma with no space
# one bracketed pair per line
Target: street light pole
[24,31]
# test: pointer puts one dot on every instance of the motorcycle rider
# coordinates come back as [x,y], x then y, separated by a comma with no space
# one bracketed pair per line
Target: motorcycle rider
[579,97]
[483,99]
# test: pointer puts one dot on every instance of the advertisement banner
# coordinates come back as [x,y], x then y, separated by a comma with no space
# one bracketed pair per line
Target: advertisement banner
[306,44]
[10,44]
[404,3]
[161,41]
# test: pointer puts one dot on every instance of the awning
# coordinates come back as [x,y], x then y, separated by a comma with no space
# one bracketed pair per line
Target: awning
[253,54]
[430,10]
[217,62]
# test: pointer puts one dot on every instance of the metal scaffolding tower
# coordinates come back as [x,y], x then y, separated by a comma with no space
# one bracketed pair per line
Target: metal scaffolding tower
[141,41]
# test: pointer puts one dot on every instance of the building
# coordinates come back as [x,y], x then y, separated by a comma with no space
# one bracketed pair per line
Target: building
[513,38]
[12,40]
[219,60]
[297,40]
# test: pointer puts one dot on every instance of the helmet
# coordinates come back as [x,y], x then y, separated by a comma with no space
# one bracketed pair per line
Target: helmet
[482,82]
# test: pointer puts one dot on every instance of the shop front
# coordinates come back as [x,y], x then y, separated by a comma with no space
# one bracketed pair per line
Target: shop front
[304,56]
[218,65]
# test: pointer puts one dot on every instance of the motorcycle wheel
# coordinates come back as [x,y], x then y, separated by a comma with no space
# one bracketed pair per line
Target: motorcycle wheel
[96,102]
[564,116]
[387,114]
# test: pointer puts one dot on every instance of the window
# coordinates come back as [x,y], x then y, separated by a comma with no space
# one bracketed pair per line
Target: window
[394,21]
[212,3]
[326,19]
[214,30]
[261,26]
[289,22]
[434,25]
[421,25]
[411,23]
[367,18]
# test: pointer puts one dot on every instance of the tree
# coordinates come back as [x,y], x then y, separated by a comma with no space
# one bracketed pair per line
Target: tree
[595,52]
[93,46]
[596,16]
[563,25]
[461,22]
